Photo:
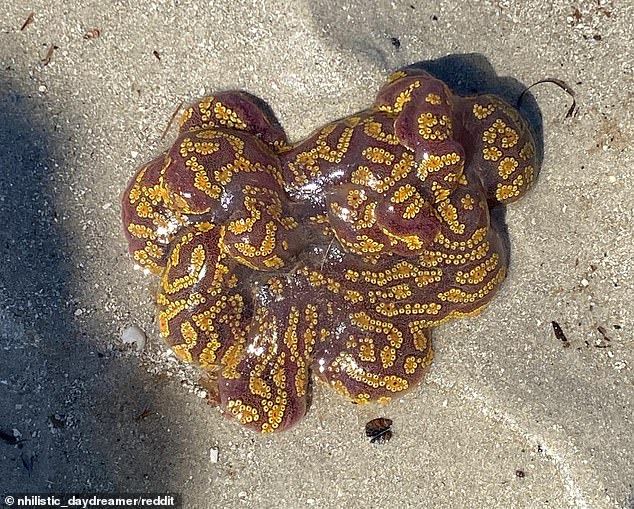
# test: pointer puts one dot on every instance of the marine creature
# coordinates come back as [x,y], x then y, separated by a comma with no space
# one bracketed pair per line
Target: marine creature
[333,256]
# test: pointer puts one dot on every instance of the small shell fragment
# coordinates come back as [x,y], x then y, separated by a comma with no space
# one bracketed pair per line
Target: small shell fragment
[134,335]
[213,455]
[92,33]
[379,430]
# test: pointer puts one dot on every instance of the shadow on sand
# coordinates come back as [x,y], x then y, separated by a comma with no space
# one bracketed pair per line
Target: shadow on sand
[71,401]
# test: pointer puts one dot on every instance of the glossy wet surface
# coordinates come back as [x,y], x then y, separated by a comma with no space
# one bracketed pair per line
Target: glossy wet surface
[503,395]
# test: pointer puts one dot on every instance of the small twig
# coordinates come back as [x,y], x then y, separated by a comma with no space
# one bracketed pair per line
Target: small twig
[171,121]
[604,333]
[28,21]
[143,415]
[561,84]
[323,262]
[559,333]
[49,55]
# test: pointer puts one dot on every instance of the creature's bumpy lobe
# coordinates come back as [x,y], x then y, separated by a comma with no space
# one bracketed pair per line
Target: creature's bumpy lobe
[333,256]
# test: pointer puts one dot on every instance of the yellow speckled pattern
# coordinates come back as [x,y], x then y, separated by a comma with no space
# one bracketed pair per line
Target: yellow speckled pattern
[334,256]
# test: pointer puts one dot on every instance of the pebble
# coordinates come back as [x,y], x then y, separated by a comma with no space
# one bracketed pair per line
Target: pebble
[620,365]
[134,335]
[213,455]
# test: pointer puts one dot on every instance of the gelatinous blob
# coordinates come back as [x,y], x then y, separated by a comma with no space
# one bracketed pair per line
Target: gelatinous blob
[334,256]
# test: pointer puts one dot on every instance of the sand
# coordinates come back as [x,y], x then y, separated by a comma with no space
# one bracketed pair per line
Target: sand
[507,418]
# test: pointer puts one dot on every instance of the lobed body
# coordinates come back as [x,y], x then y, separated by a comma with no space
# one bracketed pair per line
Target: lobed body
[333,256]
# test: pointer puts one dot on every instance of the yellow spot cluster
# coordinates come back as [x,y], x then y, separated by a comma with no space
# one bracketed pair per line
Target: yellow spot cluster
[243,412]
[507,166]
[457,295]
[434,127]
[378,155]
[478,273]
[226,116]
[402,99]
[433,163]
[305,164]
[506,192]
[482,112]
[449,213]
[375,131]
[433,99]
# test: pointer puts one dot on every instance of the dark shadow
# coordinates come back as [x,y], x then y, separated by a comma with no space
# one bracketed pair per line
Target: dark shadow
[60,389]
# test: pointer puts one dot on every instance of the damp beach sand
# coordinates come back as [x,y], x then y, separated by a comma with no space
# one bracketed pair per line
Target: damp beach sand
[527,405]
